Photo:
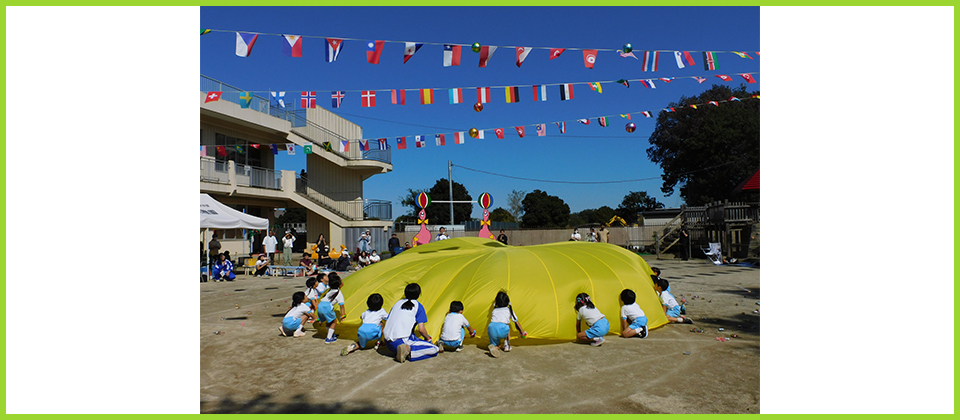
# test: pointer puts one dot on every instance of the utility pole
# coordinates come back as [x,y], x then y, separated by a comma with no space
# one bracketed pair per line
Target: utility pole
[450,184]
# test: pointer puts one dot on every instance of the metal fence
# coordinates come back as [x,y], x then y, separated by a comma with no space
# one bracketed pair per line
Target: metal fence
[252,176]
[377,210]
[342,203]
[212,171]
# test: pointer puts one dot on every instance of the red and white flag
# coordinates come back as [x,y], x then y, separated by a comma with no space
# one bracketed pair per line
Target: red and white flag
[725,78]
[486,52]
[520,131]
[499,133]
[522,54]
[441,139]
[308,99]
[213,96]
[398,96]
[748,78]
[458,137]
[555,52]
[369,98]
[483,95]
[589,58]
[451,55]
[700,79]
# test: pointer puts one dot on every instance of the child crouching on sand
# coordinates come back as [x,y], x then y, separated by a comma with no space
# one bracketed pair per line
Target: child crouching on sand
[633,322]
[499,328]
[455,327]
[597,324]
[293,321]
[670,306]
[371,322]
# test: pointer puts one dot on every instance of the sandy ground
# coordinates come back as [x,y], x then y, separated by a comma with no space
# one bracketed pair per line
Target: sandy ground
[250,368]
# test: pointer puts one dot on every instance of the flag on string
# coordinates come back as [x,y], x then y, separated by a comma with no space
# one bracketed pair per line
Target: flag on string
[522,54]
[368,98]
[426,96]
[409,49]
[398,96]
[344,146]
[245,43]
[441,139]
[733,98]
[294,45]
[627,54]
[456,96]
[364,146]
[326,146]
[458,137]
[278,97]
[213,96]
[421,142]
[627,116]
[709,60]
[539,92]
[624,82]
[480,134]
[308,99]
[245,100]
[222,150]
[700,79]
[562,126]
[382,144]
[596,87]
[401,143]
[555,52]
[681,56]
[724,77]
[337,98]
[204,32]
[748,77]
[666,79]
[486,52]
[499,133]
[203,149]
[755,96]
[714,103]
[650,60]
[239,149]
[566,91]
[374,48]
[308,149]
[669,109]
[451,55]
[648,84]
[602,121]
[743,54]
[512,93]
[584,121]
[520,131]
[589,58]
[291,150]
[483,95]
[693,106]
[334,46]
[541,129]
[758,53]
[273,148]
[647,114]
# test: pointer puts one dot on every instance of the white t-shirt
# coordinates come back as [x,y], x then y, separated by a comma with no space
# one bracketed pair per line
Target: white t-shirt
[261,263]
[452,325]
[590,315]
[313,293]
[592,237]
[288,242]
[502,315]
[575,236]
[668,300]
[298,311]
[373,317]
[400,322]
[442,236]
[270,244]
[335,300]
[374,258]
[631,312]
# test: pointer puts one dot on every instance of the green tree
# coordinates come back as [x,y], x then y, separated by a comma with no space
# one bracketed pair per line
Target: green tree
[500,214]
[709,150]
[635,202]
[543,210]
[515,204]
[437,213]
[292,215]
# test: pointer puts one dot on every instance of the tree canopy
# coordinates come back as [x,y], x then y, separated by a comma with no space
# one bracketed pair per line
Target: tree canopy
[543,210]
[439,213]
[709,150]
[500,214]
[635,202]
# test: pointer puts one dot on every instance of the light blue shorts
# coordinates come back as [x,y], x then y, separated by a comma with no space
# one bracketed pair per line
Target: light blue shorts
[367,333]
[674,312]
[291,323]
[455,343]
[498,331]
[325,312]
[599,329]
[639,322]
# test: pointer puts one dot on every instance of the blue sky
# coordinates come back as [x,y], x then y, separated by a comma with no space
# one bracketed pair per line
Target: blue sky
[583,153]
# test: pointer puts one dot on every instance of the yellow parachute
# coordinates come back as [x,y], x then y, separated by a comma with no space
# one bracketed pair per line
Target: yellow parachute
[541,280]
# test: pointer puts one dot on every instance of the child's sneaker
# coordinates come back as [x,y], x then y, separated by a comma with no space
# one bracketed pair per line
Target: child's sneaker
[506,347]
[687,321]
[597,342]
[458,349]
[642,331]
[494,350]
[330,340]
[299,333]
[282,332]
[403,352]
[348,349]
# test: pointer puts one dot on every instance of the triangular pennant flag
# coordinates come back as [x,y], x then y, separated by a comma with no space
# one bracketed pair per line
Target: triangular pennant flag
[562,126]
[293,46]
[700,79]
[555,52]
[627,116]
[409,49]
[522,54]
[748,78]
[743,54]
[486,53]
[647,114]
[499,133]
[624,82]
[520,131]
[245,43]
[584,121]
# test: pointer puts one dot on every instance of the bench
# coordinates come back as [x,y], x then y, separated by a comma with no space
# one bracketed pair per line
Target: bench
[281,270]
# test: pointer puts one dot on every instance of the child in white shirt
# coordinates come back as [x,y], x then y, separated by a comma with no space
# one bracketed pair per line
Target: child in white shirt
[633,322]
[455,327]
[597,324]
[326,308]
[499,328]
[371,323]
[293,321]
[670,306]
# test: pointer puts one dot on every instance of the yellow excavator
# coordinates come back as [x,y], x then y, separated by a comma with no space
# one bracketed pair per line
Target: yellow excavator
[616,218]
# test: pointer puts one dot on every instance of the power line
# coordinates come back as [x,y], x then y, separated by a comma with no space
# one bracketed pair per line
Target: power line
[586,182]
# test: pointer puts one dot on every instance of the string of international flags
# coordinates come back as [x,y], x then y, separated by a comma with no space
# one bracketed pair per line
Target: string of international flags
[459,137]
[292,46]
[428,96]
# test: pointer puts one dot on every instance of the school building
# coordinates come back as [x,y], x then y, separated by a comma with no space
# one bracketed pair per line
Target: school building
[237,167]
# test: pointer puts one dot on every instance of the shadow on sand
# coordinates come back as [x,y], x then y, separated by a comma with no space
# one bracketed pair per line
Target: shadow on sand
[263,404]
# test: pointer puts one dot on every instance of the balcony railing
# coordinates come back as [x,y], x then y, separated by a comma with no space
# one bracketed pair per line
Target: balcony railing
[345,204]
[212,171]
[252,176]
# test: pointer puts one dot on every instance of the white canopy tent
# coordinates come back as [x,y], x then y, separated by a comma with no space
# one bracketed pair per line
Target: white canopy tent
[215,215]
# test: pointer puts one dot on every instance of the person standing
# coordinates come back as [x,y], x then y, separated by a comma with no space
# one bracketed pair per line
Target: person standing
[394,245]
[443,234]
[502,237]
[592,237]
[270,246]
[684,243]
[604,235]
[214,249]
[288,240]
[363,243]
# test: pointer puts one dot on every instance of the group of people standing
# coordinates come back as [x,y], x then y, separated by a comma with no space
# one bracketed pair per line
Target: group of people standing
[594,236]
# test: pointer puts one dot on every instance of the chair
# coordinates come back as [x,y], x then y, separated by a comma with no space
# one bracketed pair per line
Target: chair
[713,253]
